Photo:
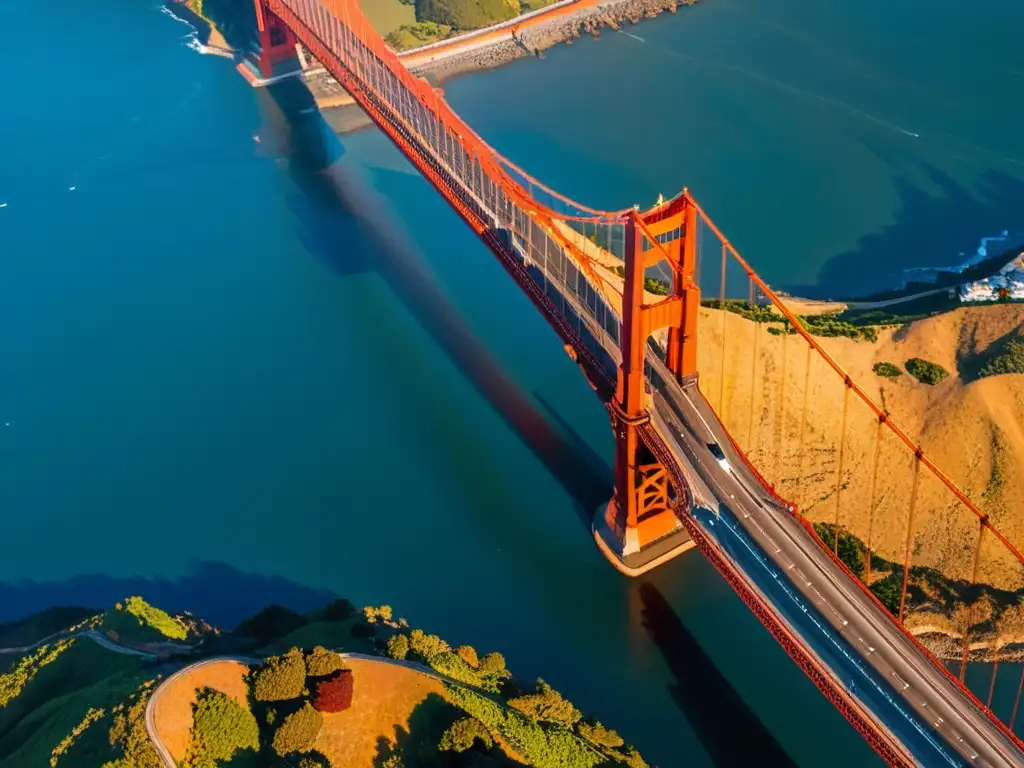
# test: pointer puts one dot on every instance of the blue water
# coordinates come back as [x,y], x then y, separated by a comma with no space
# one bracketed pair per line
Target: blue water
[219,387]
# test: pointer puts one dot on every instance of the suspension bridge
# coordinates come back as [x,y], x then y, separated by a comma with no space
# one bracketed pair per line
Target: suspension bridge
[731,421]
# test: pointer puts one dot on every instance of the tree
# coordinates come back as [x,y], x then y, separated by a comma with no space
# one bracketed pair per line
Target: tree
[467,14]
[382,612]
[271,623]
[887,591]
[398,646]
[339,610]
[925,371]
[298,731]
[280,678]
[632,758]
[427,645]
[462,734]
[335,693]
[598,734]
[887,370]
[320,662]
[468,654]
[1011,360]
[221,728]
[494,664]
[546,704]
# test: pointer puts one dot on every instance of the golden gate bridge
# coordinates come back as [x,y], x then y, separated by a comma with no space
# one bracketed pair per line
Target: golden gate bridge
[729,430]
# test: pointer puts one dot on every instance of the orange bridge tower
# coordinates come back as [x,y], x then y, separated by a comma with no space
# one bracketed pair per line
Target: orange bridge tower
[639,528]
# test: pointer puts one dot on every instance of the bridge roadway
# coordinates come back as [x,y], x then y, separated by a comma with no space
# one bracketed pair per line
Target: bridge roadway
[788,553]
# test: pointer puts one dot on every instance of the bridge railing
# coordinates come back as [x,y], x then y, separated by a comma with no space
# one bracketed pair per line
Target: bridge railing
[813,428]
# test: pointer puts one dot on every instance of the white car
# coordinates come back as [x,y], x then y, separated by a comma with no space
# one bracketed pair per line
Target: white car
[716,451]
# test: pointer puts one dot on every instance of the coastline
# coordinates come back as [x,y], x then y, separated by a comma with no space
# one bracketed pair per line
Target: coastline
[492,47]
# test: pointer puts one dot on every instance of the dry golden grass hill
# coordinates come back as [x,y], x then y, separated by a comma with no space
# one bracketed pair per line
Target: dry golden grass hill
[970,427]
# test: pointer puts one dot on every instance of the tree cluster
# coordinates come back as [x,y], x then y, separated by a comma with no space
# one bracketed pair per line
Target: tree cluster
[466,14]
[1011,360]
[925,371]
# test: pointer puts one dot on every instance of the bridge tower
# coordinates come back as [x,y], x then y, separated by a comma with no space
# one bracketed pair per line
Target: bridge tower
[639,528]
[274,55]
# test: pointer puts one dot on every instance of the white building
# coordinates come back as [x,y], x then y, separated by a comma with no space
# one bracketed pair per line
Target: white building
[1009,279]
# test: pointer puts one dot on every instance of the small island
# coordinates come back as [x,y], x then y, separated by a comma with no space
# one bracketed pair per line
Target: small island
[137,687]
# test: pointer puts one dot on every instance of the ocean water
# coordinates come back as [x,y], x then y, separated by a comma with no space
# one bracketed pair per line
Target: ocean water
[243,360]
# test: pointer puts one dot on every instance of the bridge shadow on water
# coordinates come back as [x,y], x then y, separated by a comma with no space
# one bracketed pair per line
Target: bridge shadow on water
[341,223]
[729,731]
[930,228]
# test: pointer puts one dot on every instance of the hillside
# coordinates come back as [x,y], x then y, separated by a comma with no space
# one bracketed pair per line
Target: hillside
[970,425]
[112,692]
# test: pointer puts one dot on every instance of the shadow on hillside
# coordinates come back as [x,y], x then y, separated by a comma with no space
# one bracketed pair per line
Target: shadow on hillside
[971,361]
[930,229]
[730,732]
[217,592]
[417,747]
[347,226]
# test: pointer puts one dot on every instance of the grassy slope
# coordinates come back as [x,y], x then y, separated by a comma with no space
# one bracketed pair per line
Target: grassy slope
[336,635]
[56,699]
[388,15]
[38,626]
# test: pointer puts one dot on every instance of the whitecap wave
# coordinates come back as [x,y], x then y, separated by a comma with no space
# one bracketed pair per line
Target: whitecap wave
[191,40]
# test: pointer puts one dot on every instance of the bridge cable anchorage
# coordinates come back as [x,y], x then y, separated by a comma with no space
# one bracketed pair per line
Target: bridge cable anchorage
[503,205]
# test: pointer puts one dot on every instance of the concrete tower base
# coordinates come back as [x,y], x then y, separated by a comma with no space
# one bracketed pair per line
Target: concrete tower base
[628,556]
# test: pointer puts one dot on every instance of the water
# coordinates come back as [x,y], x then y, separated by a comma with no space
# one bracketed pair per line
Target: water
[220,387]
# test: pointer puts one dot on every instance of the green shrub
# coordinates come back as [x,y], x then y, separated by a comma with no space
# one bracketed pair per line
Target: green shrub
[888,590]
[410,36]
[12,683]
[851,549]
[547,705]
[338,610]
[598,734]
[887,370]
[494,664]
[461,735]
[655,286]
[829,325]
[425,645]
[373,614]
[468,654]
[454,666]
[541,746]
[320,662]
[466,14]
[128,734]
[268,625]
[759,313]
[398,646]
[298,731]
[632,758]
[279,678]
[1011,360]
[221,728]
[136,619]
[925,371]
[66,743]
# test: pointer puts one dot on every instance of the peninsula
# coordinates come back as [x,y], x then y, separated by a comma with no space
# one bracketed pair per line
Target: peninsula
[136,687]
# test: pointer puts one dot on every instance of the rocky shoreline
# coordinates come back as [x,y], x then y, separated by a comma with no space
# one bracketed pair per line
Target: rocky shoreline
[531,41]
